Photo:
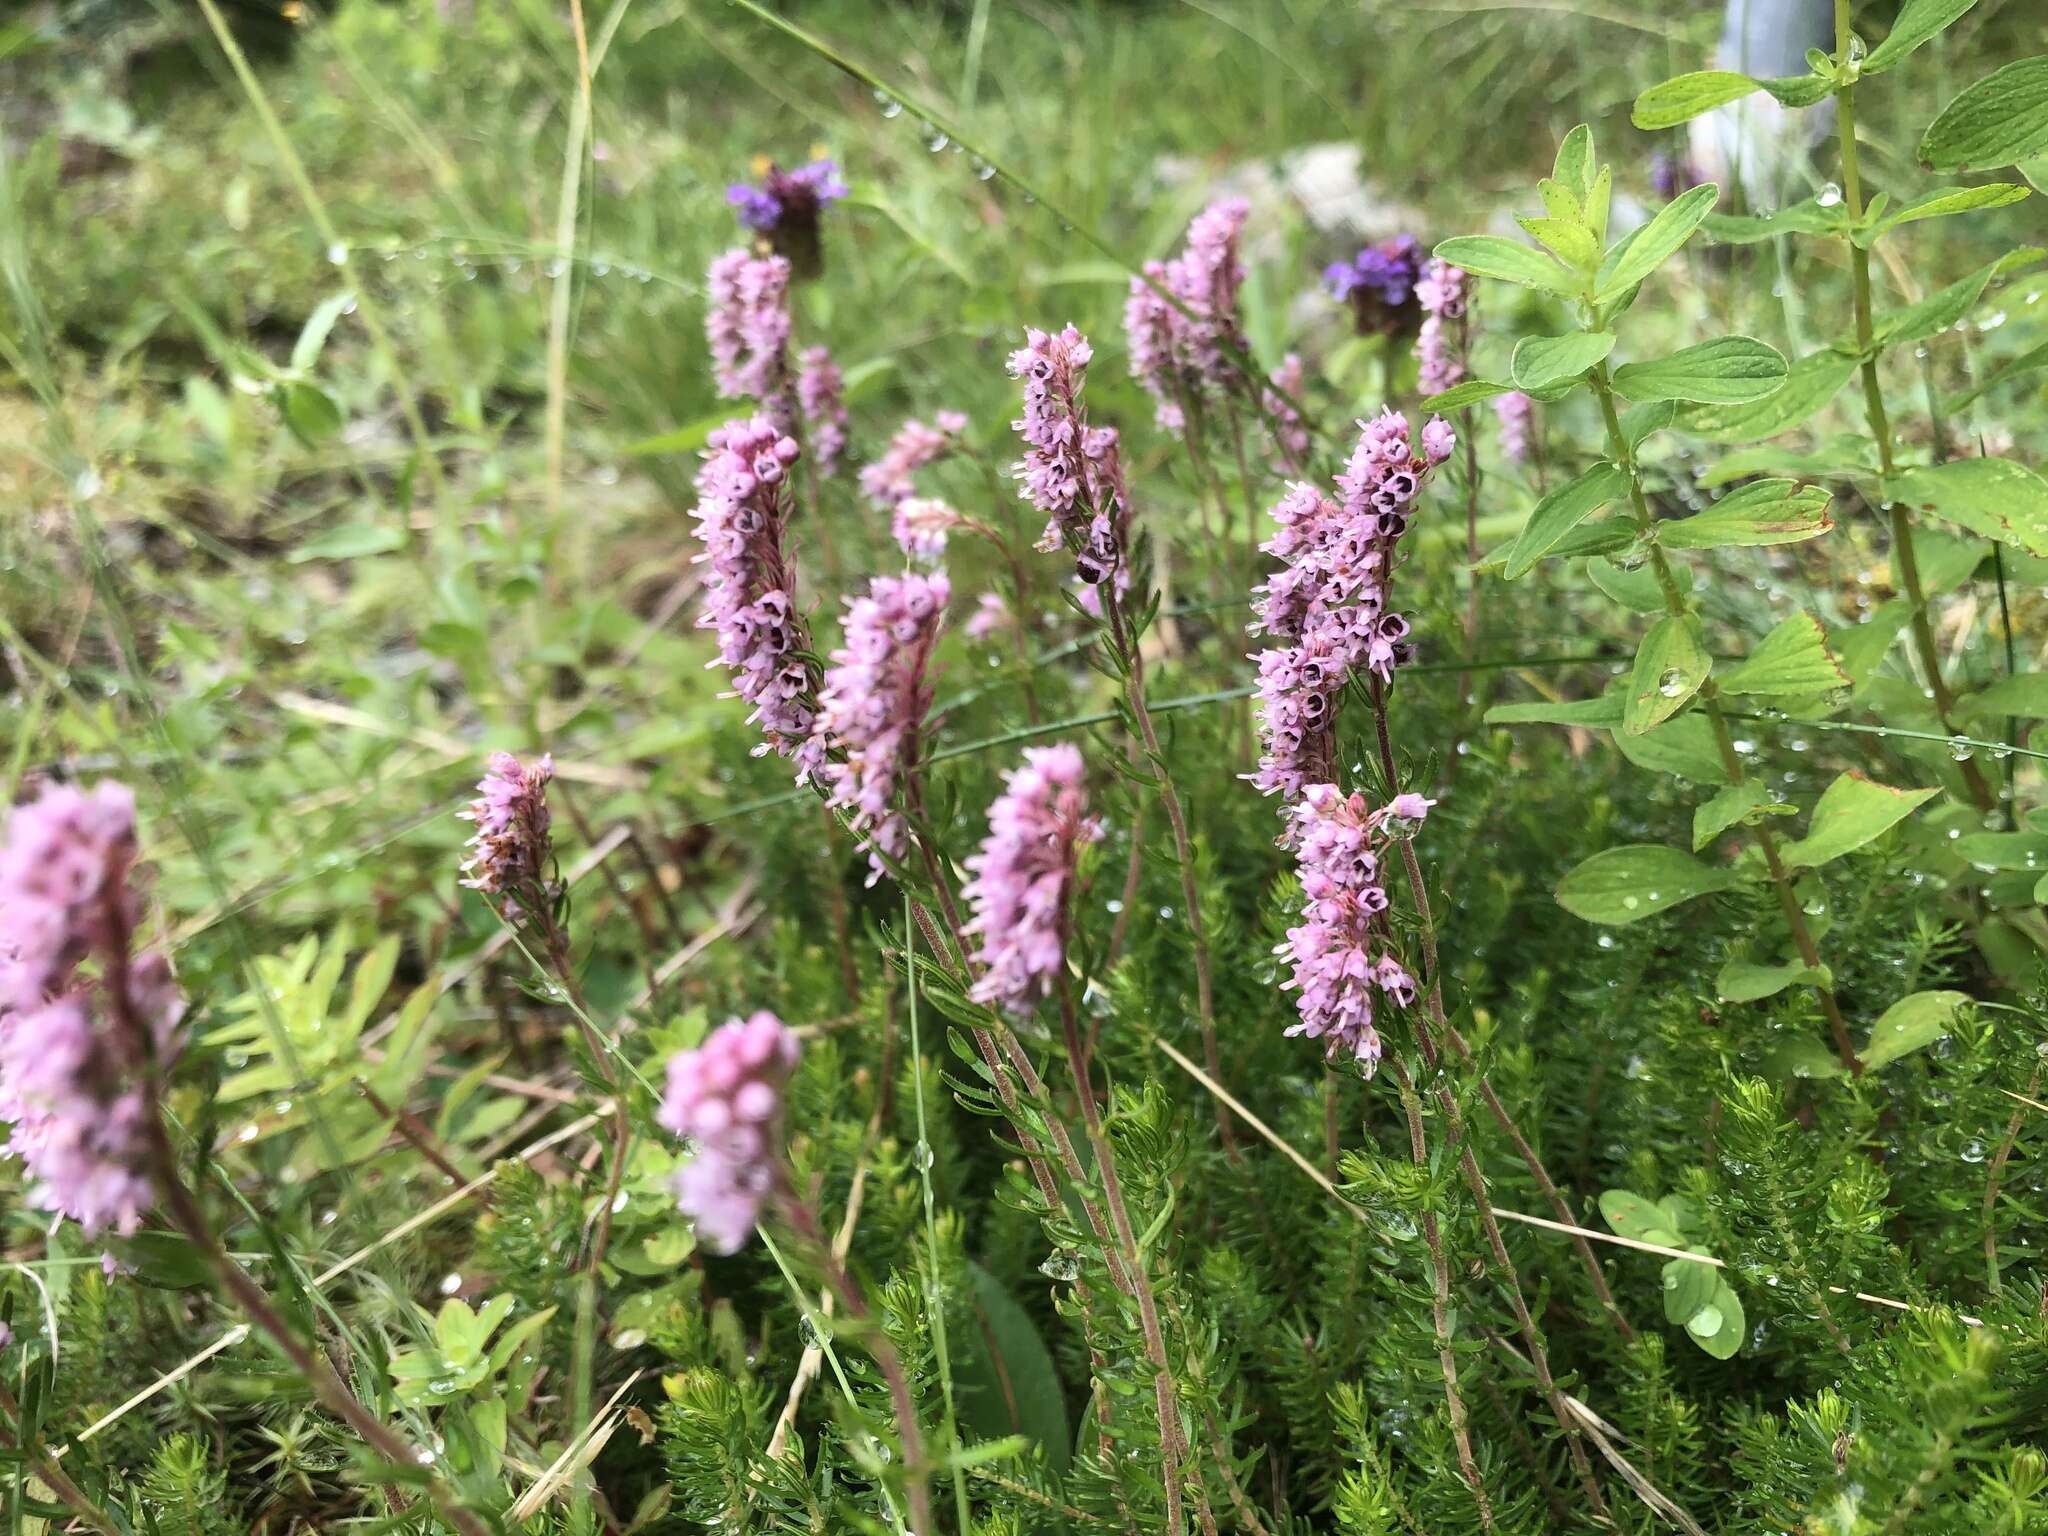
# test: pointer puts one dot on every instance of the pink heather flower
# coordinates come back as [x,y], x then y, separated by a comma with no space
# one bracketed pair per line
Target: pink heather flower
[1071,472]
[1340,849]
[746,323]
[821,395]
[69,1058]
[1328,607]
[1022,876]
[990,614]
[921,524]
[726,1097]
[750,593]
[890,479]
[876,695]
[1516,412]
[1290,432]
[1445,293]
[1177,353]
[508,856]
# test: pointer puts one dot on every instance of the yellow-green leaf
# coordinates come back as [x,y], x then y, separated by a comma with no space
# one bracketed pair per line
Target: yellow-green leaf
[1851,812]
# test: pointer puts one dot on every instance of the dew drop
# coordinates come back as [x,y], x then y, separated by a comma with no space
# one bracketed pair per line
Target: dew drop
[337,254]
[1830,196]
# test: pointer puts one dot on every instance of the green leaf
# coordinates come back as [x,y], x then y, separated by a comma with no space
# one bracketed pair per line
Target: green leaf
[1679,100]
[1634,586]
[1603,712]
[2000,119]
[1852,811]
[1806,217]
[306,350]
[2023,696]
[1995,497]
[1470,392]
[1793,658]
[1684,748]
[1630,1215]
[1005,1375]
[1625,885]
[1944,201]
[1810,384]
[1918,20]
[1688,1286]
[1743,981]
[1803,1056]
[1933,314]
[2004,850]
[1671,663]
[1729,1325]
[1561,511]
[1569,241]
[1541,361]
[1639,421]
[1509,260]
[1909,1024]
[1762,512]
[309,411]
[1725,809]
[350,541]
[1573,168]
[1654,243]
[684,439]
[1730,370]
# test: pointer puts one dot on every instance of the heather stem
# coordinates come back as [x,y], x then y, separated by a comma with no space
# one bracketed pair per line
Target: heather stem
[557,942]
[1170,1447]
[1710,702]
[1880,423]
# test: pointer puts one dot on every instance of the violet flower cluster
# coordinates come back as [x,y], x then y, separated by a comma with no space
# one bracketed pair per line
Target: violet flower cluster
[1445,294]
[72,1052]
[750,593]
[1177,350]
[873,704]
[1341,845]
[786,196]
[1070,471]
[726,1096]
[1379,284]
[1516,413]
[1328,607]
[746,324]
[821,396]
[508,854]
[1023,875]
[893,477]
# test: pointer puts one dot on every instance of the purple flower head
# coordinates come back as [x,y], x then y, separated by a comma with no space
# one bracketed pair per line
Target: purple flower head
[1379,284]
[1671,174]
[872,706]
[1022,876]
[785,208]
[726,1097]
[1290,432]
[1328,606]
[1177,350]
[508,855]
[821,395]
[1071,472]
[1517,413]
[72,1051]
[892,478]
[750,591]
[746,323]
[1445,294]
[1341,849]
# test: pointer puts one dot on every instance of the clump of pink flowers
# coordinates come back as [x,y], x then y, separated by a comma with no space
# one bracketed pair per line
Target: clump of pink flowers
[1445,294]
[73,1053]
[1516,413]
[893,477]
[508,854]
[1023,875]
[1071,472]
[991,615]
[750,591]
[1177,351]
[1328,607]
[872,706]
[726,1097]
[1339,952]
[920,525]
[746,324]
[821,396]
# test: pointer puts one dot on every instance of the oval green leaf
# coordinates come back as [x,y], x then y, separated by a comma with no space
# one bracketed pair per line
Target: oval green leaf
[1995,497]
[1671,663]
[1509,260]
[2000,119]
[1654,243]
[1541,361]
[1625,885]
[1561,511]
[1851,812]
[1729,370]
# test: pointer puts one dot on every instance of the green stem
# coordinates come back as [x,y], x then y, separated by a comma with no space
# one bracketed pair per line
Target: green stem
[1880,422]
[1710,702]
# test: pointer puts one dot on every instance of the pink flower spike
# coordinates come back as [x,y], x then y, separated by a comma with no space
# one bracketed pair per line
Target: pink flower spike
[746,325]
[726,1097]
[1022,875]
